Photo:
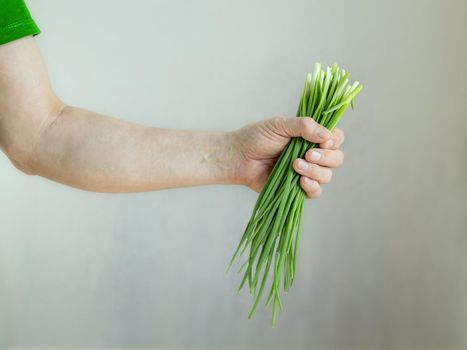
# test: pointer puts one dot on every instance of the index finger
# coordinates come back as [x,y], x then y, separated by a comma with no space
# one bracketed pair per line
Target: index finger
[310,130]
[336,140]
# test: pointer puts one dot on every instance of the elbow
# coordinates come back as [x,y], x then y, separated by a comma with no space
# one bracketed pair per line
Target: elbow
[23,165]
[21,155]
[21,144]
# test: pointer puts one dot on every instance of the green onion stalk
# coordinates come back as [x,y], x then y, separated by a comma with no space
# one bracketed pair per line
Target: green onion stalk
[272,235]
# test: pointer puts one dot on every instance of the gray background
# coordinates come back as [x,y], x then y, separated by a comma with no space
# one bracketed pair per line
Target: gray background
[383,261]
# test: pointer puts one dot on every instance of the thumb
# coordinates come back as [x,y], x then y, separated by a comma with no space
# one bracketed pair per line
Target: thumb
[304,127]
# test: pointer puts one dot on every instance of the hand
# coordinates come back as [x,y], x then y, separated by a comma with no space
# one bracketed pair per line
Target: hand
[261,143]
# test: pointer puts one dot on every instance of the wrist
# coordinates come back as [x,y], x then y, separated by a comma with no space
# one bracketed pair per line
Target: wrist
[230,159]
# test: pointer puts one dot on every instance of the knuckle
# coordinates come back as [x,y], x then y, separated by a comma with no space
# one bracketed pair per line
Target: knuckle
[313,170]
[341,157]
[340,135]
[305,125]
[307,184]
[326,176]
[311,187]
[308,127]
[316,193]
[303,183]
[302,121]
[296,164]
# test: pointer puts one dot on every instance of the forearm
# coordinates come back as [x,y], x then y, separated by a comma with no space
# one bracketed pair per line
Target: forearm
[98,153]
[80,148]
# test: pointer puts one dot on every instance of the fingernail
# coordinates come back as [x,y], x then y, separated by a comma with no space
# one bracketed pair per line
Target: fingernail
[328,144]
[310,182]
[302,164]
[315,155]
[323,133]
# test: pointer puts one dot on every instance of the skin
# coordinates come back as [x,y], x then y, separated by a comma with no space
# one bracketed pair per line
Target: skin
[42,135]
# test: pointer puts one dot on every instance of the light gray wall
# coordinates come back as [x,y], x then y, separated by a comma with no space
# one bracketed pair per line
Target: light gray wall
[383,260]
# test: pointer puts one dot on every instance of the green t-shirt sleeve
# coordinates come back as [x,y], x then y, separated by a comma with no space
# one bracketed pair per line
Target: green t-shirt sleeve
[15,21]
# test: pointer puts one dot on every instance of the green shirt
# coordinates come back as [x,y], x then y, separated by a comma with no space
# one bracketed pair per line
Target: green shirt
[15,21]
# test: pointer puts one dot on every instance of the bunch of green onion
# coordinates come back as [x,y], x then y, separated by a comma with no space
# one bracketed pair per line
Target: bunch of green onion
[273,231]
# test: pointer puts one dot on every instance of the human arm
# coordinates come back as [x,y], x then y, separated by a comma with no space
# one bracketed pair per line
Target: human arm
[44,136]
